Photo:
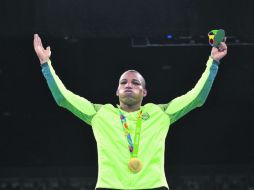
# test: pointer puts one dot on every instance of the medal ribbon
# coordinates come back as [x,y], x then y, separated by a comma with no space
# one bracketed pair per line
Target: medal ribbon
[132,148]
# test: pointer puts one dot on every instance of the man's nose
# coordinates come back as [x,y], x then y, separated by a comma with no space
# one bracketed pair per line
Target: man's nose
[128,85]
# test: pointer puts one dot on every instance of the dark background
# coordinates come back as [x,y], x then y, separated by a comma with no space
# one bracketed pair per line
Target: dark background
[91,47]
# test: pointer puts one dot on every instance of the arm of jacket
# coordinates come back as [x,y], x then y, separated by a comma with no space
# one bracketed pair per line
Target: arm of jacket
[79,106]
[196,97]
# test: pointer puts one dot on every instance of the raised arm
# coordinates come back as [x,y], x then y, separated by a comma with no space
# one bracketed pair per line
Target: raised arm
[196,97]
[79,106]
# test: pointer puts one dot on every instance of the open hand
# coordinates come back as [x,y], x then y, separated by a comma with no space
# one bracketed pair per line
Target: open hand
[43,54]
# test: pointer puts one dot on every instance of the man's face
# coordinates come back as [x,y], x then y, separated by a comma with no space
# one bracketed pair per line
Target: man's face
[131,88]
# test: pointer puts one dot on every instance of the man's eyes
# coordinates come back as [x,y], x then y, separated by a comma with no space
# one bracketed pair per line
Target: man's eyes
[136,83]
[133,82]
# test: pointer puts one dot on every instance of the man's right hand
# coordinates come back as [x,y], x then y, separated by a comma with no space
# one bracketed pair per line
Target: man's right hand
[43,54]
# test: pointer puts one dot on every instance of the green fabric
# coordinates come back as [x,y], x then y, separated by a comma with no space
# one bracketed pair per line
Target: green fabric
[79,106]
[196,97]
[112,146]
[137,137]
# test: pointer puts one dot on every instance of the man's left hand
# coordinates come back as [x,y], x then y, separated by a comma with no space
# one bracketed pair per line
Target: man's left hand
[218,53]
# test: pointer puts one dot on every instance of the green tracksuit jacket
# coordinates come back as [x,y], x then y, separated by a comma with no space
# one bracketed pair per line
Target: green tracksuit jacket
[112,146]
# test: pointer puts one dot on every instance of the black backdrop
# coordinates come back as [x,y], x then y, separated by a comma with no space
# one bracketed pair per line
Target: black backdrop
[112,18]
[91,47]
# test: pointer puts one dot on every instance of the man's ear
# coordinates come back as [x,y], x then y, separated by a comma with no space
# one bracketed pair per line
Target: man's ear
[144,93]
[117,92]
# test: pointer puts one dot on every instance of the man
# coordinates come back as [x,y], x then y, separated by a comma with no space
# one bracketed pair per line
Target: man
[130,137]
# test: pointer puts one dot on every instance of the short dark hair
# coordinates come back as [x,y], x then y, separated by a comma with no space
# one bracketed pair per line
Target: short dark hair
[143,82]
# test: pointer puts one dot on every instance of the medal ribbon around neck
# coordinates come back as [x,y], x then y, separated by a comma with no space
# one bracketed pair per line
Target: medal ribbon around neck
[132,148]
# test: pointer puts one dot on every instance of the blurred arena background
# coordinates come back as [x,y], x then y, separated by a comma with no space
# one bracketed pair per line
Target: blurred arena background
[45,147]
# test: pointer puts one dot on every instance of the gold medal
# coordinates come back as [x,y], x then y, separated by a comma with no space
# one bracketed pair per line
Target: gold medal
[135,165]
